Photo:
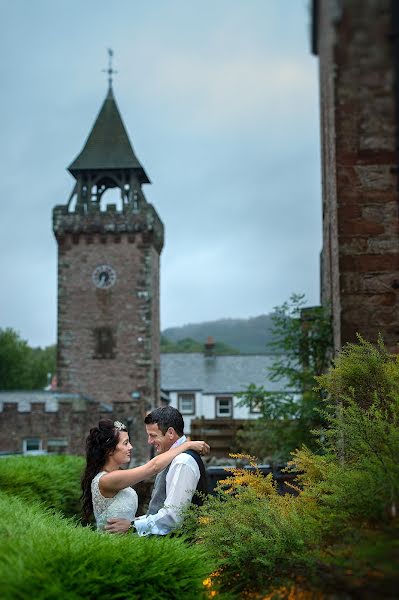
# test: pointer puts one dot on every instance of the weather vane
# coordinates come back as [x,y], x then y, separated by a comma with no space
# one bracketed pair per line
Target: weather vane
[110,70]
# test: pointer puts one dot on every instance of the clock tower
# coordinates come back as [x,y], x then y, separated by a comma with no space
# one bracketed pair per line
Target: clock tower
[108,278]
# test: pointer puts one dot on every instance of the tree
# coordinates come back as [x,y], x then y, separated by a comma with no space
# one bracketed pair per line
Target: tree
[23,367]
[302,345]
[42,364]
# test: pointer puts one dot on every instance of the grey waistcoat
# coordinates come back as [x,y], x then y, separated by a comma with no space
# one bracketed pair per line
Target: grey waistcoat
[158,495]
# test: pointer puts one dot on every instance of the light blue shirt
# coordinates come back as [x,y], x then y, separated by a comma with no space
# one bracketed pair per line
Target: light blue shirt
[181,483]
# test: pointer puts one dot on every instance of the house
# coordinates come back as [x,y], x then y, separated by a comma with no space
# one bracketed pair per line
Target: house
[205,388]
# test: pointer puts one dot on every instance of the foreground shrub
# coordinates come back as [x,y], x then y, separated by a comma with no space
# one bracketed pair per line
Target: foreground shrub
[53,480]
[340,532]
[45,556]
[256,536]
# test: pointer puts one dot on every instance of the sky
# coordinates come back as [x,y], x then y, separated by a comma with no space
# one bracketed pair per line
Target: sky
[220,100]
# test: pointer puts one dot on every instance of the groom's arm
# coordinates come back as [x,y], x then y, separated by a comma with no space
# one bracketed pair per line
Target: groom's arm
[181,483]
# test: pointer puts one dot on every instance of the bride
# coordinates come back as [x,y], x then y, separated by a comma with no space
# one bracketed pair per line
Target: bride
[106,490]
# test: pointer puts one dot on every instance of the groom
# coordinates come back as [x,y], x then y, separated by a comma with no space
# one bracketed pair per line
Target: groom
[174,486]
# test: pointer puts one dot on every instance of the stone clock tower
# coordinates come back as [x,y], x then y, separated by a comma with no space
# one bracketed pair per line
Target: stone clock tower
[108,278]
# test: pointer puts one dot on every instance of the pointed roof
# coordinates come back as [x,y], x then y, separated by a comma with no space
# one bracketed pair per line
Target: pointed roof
[108,145]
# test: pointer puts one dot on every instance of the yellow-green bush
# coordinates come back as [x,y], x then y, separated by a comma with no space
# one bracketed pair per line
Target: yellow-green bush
[340,532]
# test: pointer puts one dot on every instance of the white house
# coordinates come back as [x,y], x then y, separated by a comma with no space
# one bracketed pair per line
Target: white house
[206,386]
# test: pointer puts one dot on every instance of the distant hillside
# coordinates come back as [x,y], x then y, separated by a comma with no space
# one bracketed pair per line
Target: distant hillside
[249,336]
[190,345]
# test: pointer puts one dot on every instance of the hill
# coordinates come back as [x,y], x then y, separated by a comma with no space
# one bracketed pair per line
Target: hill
[248,336]
[190,345]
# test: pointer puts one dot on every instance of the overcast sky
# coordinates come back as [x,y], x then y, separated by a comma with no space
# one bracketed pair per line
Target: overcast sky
[220,99]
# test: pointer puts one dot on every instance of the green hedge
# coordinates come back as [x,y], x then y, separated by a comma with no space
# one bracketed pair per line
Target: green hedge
[45,556]
[52,480]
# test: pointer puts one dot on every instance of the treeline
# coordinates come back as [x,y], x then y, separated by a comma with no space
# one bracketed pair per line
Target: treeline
[191,345]
[23,367]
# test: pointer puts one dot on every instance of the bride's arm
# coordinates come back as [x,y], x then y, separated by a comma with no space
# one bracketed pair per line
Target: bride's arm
[120,479]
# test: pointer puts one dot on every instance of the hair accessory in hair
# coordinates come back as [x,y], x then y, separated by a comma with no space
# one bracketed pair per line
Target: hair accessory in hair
[120,426]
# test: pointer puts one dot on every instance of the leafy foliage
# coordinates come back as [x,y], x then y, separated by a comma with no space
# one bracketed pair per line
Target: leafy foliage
[51,480]
[339,533]
[363,417]
[23,367]
[363,372]
[255,535]
[43,556]
[302,343]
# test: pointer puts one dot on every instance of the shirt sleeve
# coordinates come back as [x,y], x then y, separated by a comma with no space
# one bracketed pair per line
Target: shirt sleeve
[181,483]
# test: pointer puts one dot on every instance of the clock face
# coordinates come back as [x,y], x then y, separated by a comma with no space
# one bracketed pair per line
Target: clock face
[103,276]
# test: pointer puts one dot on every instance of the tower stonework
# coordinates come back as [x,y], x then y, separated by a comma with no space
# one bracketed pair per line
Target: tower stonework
[357,45]
[108,279]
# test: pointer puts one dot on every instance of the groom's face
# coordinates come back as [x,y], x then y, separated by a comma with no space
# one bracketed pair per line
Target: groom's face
[161,442]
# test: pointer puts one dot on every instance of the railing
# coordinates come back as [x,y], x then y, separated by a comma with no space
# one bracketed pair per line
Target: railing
[220,434]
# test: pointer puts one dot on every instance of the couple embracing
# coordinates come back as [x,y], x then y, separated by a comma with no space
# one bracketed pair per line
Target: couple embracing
[107,491]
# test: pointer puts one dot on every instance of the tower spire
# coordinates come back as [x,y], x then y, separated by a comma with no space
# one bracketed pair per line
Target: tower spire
[110,70]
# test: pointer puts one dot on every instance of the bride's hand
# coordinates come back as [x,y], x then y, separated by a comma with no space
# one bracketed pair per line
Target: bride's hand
[200,447]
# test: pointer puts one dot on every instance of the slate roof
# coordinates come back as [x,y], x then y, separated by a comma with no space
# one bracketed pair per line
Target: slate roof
[216,374]
[108,146]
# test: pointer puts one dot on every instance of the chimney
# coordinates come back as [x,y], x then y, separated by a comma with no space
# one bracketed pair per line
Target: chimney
[209,346]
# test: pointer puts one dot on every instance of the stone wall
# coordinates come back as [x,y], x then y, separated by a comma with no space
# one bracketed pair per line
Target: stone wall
[360,259]
[129,242]
[55,417]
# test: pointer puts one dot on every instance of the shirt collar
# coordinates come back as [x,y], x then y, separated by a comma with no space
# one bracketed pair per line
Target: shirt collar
[179,441]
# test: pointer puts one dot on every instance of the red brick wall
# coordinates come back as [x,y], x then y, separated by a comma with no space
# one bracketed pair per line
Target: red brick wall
[360,263]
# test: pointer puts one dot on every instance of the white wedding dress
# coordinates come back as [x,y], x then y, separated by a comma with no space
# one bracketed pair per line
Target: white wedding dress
[123,505]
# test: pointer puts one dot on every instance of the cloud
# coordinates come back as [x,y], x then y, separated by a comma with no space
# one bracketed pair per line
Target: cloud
[237,90]
[215,92]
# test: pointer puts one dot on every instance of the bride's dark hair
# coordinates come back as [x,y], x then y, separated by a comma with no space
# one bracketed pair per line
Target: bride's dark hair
[99,443]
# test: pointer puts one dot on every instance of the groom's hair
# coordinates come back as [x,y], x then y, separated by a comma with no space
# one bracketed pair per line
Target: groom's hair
[166,417]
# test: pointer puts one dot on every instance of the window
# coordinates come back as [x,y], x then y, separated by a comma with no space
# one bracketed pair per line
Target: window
[186,404]
[224,406]
[57,446]
[104,343]
[32,446]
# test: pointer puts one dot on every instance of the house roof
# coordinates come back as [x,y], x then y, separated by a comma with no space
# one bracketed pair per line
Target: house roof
[216,374]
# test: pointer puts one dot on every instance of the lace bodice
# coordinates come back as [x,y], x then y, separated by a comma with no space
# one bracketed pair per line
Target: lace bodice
[123,505]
